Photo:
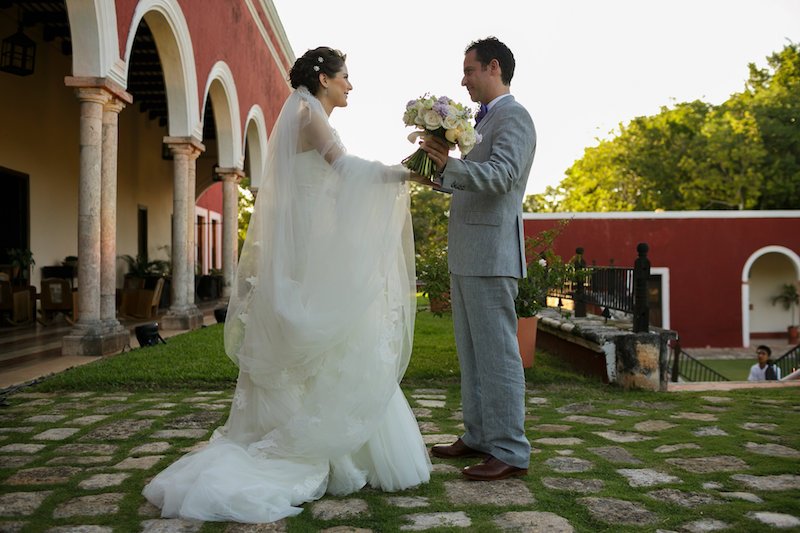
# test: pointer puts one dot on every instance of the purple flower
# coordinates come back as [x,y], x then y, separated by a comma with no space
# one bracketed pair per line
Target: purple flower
[441,108]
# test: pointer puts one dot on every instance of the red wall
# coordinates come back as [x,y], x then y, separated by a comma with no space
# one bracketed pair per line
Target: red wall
[225,31]
[705,257]
[211,198]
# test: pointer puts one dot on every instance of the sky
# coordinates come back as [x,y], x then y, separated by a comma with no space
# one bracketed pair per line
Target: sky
[583,67]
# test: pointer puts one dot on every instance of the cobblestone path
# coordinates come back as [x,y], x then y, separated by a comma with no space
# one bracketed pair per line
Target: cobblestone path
[76,462]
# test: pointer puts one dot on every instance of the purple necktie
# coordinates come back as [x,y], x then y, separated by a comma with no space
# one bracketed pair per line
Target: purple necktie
[481,113]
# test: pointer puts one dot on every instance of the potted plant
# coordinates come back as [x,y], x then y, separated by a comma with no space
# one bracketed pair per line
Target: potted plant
[789,299]
[21,261]
[434,275]
[141,267]
[546,271]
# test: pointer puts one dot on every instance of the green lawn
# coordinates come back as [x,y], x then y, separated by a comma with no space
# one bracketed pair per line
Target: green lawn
[194,365]
[733,369]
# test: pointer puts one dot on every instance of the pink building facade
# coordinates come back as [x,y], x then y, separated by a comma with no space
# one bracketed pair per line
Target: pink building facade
[713,273]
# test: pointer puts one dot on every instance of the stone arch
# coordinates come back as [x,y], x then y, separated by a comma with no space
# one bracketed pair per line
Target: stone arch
[95,42]
[256,137]
[221,89]
[793,258]
[175,51]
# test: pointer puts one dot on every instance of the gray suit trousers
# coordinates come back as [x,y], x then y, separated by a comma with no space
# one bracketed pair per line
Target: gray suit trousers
[492,378]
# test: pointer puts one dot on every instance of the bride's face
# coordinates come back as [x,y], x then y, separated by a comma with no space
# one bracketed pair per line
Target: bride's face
[337,89]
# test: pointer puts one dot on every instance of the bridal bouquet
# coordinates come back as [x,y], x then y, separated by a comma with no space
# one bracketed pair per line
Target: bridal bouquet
[443,118]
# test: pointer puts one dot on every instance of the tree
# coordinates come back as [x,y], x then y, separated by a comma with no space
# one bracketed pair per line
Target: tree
[246,200]
[429,211]
[773,96]
[742,154]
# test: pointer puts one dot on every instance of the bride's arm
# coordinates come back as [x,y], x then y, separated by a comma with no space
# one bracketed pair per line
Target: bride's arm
[316,134]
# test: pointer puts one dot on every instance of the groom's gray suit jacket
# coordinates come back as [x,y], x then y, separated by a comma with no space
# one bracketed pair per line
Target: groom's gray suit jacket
[485,233]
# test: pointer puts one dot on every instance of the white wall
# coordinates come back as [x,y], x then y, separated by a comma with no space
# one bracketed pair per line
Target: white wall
[767,274]
[39,137]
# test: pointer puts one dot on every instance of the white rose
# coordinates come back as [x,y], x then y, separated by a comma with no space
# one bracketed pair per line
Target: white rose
[432,119]
[451,122]
[467,140]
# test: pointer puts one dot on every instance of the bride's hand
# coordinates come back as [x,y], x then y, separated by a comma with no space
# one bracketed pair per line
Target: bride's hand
[416,178]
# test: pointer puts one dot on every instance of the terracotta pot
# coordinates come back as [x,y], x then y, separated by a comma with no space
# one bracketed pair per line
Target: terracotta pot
[440,305]
[793,334]
[526,337]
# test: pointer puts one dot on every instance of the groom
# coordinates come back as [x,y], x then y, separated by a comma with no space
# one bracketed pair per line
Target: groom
[486,259]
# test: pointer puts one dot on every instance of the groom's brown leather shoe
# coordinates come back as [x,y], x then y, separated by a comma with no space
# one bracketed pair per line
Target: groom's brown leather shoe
[457,450]
[492,469]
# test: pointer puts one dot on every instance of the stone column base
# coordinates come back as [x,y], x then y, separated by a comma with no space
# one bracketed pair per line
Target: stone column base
[83,340]
[190,318]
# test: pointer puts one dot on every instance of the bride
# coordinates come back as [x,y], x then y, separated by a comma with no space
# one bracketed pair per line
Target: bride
[320,323]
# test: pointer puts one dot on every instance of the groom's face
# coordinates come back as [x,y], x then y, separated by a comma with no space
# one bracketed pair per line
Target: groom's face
[476,77]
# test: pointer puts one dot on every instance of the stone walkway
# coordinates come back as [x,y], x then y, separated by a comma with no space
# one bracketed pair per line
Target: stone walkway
[76,462]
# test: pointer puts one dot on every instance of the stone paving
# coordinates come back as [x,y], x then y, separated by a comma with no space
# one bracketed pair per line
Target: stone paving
[76,462]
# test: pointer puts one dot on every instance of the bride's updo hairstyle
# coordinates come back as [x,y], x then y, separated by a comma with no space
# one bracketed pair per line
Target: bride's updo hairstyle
[322,60]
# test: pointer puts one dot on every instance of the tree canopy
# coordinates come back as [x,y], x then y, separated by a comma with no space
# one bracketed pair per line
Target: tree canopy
[741,154]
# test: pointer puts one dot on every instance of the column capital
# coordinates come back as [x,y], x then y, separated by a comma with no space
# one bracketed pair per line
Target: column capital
[114,105]
[185,145]
[234,174]
[92,94]
[105,84]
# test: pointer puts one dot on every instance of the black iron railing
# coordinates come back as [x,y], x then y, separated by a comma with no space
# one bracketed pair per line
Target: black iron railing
[684,366]
[608,287]
[789,362]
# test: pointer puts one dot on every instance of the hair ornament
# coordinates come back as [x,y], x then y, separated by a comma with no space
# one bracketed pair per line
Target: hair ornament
[316,68]
[319,59]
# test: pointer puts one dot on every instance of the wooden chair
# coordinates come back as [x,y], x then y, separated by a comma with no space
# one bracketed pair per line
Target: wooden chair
[130,295]
[140,302]
[16,304]
[149,299]
[6,300]
[56,298]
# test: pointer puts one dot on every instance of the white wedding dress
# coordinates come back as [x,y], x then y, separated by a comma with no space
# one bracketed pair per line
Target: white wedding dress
[320,323]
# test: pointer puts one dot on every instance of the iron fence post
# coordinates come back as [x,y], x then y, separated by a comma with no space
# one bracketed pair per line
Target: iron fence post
[676,355]
[641,272]
[580,283]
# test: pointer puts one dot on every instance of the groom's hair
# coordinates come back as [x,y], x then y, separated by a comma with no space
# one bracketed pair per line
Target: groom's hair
[491,48]
[306,69]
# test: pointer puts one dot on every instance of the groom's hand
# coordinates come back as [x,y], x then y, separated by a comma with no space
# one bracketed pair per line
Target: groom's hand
[437,150]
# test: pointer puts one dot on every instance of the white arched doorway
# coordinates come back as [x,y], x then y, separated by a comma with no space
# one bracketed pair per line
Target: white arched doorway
[256,142]
[221,90]
[764,272]
[171,34]
[95,43]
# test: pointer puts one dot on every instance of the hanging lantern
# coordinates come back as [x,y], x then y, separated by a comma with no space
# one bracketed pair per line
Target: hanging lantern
[18,54]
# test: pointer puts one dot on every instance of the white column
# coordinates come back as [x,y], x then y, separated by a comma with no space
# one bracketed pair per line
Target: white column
[91,124]
[183,313]
[108,214]
[191,225]
[230,225]
[100,102]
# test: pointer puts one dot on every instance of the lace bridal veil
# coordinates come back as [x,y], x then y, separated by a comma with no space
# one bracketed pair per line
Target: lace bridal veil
[320,323]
